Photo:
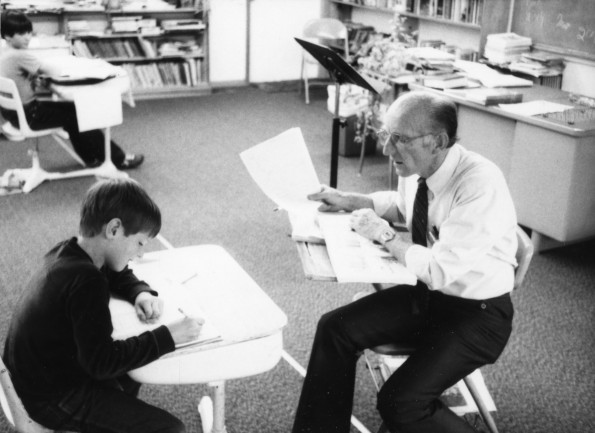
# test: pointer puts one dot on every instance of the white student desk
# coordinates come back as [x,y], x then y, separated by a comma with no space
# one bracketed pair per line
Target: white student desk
[121,83]
[250,324]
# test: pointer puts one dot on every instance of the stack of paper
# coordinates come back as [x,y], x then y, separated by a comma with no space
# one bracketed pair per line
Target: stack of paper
[506,47]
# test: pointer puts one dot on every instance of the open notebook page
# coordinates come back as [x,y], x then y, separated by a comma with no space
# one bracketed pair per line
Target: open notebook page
[127,324]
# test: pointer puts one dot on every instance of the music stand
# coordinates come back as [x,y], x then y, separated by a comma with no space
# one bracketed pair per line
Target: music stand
[341,73]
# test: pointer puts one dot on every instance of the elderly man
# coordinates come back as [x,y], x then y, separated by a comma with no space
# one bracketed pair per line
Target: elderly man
[462,250]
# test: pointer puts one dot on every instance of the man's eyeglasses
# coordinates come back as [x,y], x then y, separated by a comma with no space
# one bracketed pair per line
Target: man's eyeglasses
[383,135]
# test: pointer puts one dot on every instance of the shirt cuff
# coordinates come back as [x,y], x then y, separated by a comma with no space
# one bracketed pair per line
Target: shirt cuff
[382,201]
[165,342]
[417,260]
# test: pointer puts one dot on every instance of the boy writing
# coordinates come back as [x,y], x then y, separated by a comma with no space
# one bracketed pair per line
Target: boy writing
[25,69]
[65,366]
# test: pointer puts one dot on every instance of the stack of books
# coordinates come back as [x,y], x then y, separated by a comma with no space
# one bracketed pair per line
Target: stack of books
[488,96]
[504,48]
[538,64]
[431,60]
[446,81]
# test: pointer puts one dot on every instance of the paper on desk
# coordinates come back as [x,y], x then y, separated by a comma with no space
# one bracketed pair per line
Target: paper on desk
[356,259]
[126,324]
[490,77]
[533,108]
[283,170]
[97,107]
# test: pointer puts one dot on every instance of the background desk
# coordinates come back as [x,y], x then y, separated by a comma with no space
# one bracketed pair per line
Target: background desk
[549,166]
[250,322]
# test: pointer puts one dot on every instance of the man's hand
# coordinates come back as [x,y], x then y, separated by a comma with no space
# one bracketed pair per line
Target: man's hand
[186,330]
[148,307]
[368,224]
[332,199]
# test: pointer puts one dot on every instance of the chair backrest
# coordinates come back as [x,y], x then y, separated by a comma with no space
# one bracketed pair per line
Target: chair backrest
[524,253]
[11,100]
[13,407]
[327,28]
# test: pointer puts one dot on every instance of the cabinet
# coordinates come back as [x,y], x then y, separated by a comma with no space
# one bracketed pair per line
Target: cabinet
[465,22]
[164,50]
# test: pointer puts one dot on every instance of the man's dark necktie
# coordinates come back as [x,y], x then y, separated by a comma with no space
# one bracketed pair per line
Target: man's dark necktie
[419,226]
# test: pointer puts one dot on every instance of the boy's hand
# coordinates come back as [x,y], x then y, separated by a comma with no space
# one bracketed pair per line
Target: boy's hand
[185,330]
[148,307]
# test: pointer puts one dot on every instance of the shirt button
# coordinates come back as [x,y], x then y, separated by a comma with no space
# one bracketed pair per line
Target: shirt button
[483,306]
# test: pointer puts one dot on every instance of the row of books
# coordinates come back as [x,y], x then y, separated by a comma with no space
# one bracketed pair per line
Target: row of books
[465,11]
[129,48]
[157,75]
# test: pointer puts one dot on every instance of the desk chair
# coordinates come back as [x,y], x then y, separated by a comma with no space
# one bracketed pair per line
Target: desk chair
[11,100]
[321,29]
[13,407]
[523,256]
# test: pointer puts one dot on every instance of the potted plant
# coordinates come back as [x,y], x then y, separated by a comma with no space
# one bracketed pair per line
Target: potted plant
[381,58]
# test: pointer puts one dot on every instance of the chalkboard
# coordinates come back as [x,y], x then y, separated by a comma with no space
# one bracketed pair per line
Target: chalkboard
[563,26]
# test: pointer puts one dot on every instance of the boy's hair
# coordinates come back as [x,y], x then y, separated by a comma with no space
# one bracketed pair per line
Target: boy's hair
[14,22]
[119,198]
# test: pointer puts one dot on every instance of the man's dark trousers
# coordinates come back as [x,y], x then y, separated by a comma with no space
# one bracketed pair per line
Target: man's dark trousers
[453,336]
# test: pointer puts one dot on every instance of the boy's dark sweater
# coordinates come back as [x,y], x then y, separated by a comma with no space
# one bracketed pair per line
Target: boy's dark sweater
[60,333]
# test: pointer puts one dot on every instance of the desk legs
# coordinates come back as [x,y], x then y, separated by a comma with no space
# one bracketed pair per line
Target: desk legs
[212,413]
[107,169]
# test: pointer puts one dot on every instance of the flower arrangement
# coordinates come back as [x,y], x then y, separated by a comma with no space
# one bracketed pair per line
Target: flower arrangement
[383,56]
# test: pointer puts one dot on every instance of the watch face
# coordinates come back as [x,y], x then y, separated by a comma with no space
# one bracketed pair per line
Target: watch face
[387,236]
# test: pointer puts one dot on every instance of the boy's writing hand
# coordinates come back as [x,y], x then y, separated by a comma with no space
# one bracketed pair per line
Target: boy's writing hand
[148,307]
[185,330]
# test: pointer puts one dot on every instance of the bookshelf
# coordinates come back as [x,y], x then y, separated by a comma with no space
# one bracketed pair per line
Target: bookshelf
[164,50]
[475,18]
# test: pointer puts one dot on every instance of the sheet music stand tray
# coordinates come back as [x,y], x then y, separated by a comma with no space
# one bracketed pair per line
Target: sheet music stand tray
[341,73]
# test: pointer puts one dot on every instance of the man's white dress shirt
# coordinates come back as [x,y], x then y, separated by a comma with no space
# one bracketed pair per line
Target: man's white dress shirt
[471,227]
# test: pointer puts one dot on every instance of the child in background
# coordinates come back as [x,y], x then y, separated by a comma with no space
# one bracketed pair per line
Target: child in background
[24,68]
[67,370]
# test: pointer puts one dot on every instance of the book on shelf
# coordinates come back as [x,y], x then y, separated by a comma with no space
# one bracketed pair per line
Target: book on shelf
[182,24]
[446,81]
[488,96]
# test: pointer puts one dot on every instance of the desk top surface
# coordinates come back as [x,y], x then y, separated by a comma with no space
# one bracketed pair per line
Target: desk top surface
[236,305]
[533,93]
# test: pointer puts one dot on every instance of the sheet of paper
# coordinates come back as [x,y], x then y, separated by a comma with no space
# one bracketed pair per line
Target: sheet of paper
[98,107]
[283,170]
[534,108]
[126,323]
[356,259]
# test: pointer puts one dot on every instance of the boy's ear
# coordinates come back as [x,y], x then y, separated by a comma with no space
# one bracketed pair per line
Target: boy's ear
[113,227]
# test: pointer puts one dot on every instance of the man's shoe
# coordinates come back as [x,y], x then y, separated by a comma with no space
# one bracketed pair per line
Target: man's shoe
[131,160]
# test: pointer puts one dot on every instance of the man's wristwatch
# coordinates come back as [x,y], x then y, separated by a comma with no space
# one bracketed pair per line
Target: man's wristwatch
[387,235]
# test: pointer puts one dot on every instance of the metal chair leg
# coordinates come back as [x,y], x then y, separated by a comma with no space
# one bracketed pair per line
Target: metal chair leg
[483,410]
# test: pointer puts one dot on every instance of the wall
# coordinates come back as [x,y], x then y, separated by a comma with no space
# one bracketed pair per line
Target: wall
[227,41]
[274,54]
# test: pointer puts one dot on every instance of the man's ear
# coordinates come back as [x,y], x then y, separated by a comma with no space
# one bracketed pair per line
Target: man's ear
[113,228]
[442,141]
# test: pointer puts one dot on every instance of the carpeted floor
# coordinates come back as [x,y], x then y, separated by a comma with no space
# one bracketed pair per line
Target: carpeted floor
[544,381]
